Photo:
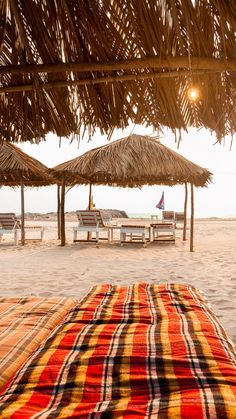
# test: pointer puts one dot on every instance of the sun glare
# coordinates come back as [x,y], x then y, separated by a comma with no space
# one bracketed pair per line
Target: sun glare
[193,94]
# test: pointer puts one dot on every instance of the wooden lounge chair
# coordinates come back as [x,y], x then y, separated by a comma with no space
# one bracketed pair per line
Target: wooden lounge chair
[179,218]
[135,234]
[9,224]
[163,231]
[90,221]
[168,216]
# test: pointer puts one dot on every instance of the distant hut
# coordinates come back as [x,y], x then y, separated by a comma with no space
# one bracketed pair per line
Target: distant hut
[132,162]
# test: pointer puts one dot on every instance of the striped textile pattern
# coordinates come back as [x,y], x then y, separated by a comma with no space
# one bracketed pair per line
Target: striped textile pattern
[139,351]
[24,323]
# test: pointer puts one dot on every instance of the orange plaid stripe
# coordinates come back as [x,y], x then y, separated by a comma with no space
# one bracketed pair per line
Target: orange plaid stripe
[24,323]
[130,351]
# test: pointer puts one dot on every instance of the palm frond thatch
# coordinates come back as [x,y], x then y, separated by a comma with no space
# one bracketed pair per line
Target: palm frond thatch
[132,162]
[17,167]
[73,63]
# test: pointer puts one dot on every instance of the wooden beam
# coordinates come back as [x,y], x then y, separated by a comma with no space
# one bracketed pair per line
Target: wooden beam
[99,80]
[22,214]
[58,213]
[63,230]
[185,211]
[192,219]
[197,63]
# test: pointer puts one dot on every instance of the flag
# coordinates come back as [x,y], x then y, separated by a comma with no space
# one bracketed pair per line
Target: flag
[161,203]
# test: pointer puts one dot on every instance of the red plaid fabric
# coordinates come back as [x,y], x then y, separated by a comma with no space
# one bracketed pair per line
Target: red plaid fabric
[153,351]
[25,322]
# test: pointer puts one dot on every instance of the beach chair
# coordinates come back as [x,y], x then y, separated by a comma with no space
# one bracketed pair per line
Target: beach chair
[9,224]
[163,231]
[134,234]
[90,221]
[179,218]
[106,218]
[168,216]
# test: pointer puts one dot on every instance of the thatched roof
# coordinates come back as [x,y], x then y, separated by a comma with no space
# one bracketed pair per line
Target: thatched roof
[16,167]
[133,161]
[74,63]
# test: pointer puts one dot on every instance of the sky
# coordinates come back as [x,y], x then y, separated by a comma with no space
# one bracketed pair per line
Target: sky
[199,146]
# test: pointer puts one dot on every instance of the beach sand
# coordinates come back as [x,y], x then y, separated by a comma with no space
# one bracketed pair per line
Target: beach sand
[46,269]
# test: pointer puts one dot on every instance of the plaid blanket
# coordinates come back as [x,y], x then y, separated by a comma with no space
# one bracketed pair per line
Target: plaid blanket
[24,323]
[154,351]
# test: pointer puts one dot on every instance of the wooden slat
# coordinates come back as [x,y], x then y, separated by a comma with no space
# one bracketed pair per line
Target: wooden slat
[168,215]
[90,218]
[7,220]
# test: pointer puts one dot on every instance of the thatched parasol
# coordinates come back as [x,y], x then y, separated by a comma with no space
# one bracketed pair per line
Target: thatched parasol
[69,64]
[19,169]
[134,161]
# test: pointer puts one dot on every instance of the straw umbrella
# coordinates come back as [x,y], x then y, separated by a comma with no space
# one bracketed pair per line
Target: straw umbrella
[135,161]
[137,63]
[19,169]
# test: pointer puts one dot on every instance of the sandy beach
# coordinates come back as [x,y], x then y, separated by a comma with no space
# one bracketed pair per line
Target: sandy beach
[46,269]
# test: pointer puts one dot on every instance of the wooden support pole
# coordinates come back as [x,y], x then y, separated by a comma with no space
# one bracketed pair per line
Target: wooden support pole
[185,212]
[58,212]
[22,214]
[90,197]
[192,219]
[63,230]
[90,207]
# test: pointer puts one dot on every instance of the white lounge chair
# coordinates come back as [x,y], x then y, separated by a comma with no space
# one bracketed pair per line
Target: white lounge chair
[9,224]
[90,221]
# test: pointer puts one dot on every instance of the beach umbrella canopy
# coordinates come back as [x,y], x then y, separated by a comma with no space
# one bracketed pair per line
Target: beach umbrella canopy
[19,169]
[132,162]
[66,65]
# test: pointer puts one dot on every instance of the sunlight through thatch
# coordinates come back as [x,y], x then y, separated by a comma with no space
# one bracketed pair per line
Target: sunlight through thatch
[75,64]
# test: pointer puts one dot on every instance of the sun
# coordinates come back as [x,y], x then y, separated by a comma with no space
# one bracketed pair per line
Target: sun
[193,94]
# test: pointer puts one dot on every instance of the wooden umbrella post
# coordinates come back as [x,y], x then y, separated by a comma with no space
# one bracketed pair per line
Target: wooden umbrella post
[90,207]
[90,197]
[185,212]
[63,232]
[192,219]
[22,214]
[58,212]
